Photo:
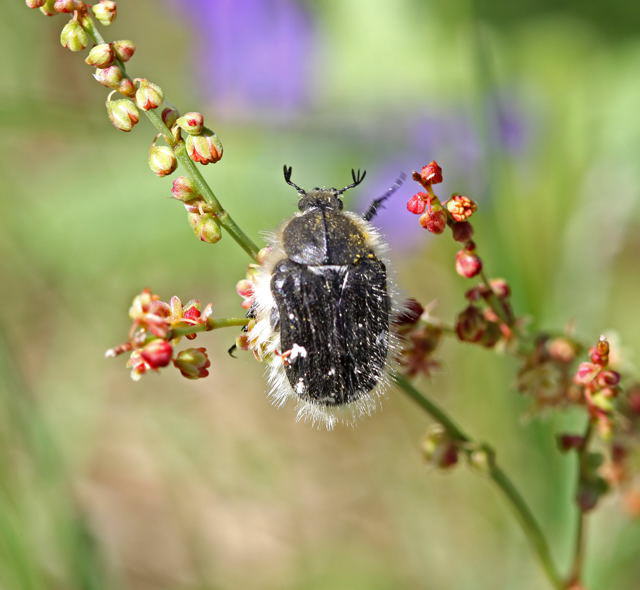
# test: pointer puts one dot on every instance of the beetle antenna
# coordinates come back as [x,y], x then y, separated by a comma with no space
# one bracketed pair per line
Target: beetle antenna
[287,178]
[357,176]
[379,202]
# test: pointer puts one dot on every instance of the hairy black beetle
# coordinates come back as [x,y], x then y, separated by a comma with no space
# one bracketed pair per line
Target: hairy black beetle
[323,308]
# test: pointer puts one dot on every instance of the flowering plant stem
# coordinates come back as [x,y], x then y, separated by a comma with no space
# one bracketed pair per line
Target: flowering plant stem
[527,520]
[178,146]
[211,324]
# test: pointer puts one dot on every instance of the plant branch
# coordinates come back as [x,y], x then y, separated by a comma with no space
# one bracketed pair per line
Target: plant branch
[222,216]
[212,324]
[527,520]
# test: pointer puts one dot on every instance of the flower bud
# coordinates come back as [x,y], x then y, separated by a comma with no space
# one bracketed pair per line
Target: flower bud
[192,123]
[184,190]
[205,227]
[67,5]
[471,324]
[123,114]
[149,95]
[608,378]
[47,8]
[468,263]
[434,220]
[462,231]
[162,160]
[109,77]
[193,363]
[417,203]
[438,448]
[600,352]
[100,56]
[561,350]
[124,49]
[34,3]
[170,116]
[74,37]
[461,207]
[105,11]
[157,353]
[410,313]
[431,173]
[205,148]
[127,87]
[586,373]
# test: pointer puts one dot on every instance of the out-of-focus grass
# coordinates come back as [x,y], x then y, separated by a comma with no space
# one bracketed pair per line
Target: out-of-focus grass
[172,484]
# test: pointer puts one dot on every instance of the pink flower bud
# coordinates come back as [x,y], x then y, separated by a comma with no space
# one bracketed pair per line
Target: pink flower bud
[74,37]
[468,263]
[561,350]
[461,207]
[149,95]
[431,173]
[67,5]
[162,160]
[124,49]
[205,148]
[462,231]
[127,87]
[157,353]
[434,220]
[123,114]
[170,116]
[100,56]
[410,313]
[500,287]
[600,352]
[471,324]
[184,190]
[105,11]
[417,203]
[608,378]
[109,77]
[192,123]
[586,373]
[193,363]
[34,3]
[205,227]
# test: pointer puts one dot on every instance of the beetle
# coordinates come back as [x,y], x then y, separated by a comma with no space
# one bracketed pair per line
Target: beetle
[323,307]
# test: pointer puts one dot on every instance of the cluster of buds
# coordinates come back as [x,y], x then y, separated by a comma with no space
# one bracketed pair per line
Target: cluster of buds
[199,214]
[599,386]
[153,338]
[421,336]
[435,216]
[202,144]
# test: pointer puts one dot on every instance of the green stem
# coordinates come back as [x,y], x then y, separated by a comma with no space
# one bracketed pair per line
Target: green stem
[222,216]
[212,324]
[575,574]
[527,520]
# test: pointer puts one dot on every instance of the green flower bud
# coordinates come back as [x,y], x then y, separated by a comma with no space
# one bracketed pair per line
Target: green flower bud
[205,227]
[184,190]
[127,87]
[74,37]
[109,77]
[105,11]
[47,8]
[124,49]
[67,5]
[192,363]
[149,95]
[162,160]
[205,148]
[100,56]
[34,3]
[123,114]
[192,123]
[170,116]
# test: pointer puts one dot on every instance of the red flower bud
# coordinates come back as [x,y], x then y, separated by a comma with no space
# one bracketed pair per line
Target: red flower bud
[434,220]
[586,373]
[417,203]
[608,378]
[170,116]
[468,263]
[500,287]
[157,353]
[193,363]
[149,95]
[205,148]
[410,313]
[462,231]
[124,49]
[127,87]
[471,324]
[461,207]
[192,123]
[431,173]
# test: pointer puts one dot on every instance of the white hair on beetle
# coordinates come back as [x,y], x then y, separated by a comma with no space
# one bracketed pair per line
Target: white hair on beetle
[265,341]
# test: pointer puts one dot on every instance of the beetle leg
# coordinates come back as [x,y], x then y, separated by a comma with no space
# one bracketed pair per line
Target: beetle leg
[251,314]
[373,208]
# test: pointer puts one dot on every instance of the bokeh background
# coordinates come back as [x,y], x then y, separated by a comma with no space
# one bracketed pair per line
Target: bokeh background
[531,107]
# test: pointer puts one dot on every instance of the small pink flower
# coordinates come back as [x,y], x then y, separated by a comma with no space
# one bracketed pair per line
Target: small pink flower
[434,220]
[417,203]
[461,207]
[468,263]
[431,173]
[157,354]
[586,373]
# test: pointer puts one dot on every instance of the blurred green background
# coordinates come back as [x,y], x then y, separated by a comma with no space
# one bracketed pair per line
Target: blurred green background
[532,108]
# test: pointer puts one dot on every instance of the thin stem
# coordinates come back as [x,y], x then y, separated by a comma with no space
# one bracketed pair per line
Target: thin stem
[222,216]
[575,574]
[496,305]
[212,324]
[527,520]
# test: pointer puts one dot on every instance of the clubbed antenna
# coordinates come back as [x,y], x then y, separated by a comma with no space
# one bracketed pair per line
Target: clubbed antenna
[357,176]
[287,177]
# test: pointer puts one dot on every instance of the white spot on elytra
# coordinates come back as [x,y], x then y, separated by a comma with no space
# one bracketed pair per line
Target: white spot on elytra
[297,351]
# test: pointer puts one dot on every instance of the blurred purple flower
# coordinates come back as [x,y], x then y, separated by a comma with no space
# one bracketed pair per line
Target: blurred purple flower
[253,54]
